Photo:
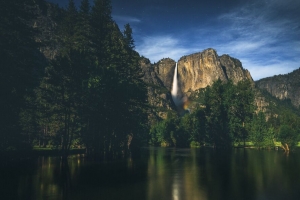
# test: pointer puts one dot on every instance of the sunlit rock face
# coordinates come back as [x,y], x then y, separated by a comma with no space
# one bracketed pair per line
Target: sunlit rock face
[233,69]
[195,71]
[283,86]
[199,70]
[159,96]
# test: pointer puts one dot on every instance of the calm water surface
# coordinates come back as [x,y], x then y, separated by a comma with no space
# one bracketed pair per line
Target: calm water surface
[160,174]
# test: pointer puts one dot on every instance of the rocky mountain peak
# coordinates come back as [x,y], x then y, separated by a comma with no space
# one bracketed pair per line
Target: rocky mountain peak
[195,71]
[199,70]
[164,69]
[233,69]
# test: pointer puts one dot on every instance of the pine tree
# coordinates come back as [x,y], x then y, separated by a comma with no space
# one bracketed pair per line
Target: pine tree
[18,52]
[61,95]
[129,42]
[244,102]
[83,27]
[216,115]
[100,29]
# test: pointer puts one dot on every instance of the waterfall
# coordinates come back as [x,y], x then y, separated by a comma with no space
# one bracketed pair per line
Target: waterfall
[181,101]
[174,91]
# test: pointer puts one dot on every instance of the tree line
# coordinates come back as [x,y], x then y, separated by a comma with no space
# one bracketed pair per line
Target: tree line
[90,94]
[225,115]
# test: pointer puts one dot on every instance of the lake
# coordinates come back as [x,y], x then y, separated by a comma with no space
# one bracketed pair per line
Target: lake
[158,174]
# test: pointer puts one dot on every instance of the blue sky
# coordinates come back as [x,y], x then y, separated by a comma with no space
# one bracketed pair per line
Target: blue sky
[263,34]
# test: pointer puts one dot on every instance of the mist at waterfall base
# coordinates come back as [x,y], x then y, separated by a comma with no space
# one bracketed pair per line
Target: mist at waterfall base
[181,102]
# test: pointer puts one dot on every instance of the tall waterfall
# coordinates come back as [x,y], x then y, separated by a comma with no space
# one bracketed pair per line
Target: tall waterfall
[174,91]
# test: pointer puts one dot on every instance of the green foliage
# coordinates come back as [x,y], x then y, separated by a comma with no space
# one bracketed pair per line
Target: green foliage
[287,136]
[216,116]
[228,110]
[19,57]
[185,131]
[60,98]
[260,134]
[220,121]
[90,94]
[282,114]
[162,134]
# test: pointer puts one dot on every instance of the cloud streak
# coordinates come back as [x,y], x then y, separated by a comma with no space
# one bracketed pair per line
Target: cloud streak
[265,43]
[126,19]
[158,47]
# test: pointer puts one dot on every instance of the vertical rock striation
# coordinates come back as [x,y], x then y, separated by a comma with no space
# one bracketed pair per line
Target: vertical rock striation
[195,71]
[283,86]
[233,69]
[159,96]
[199,70]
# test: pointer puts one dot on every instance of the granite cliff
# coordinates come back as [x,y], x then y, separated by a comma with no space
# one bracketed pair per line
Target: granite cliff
[199,70]
[159,97]
[283,86]
[195,71]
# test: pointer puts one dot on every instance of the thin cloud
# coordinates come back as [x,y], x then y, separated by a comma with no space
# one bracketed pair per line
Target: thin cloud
[126,19]
[158,47]
[266,43]
[279,67]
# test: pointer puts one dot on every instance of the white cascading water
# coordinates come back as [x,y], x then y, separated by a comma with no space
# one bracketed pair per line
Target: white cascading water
[174,91]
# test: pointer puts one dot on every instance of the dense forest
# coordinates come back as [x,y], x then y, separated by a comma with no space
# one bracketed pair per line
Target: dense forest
[225,116]
[92,95]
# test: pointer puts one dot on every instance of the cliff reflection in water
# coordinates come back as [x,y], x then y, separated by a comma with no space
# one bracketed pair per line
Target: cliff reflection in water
[173,174]
[218,174]
[160,173]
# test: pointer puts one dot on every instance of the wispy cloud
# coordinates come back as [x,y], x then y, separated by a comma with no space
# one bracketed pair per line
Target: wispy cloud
[158,47]
[260,70]
[264,35]
[126,19]
[265,45]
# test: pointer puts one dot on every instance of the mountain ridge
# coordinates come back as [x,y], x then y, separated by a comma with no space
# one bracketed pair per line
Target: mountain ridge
[195,71]
[286,86]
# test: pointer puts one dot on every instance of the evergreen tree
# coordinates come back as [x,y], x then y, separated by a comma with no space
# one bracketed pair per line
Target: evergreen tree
[101,23]
[216,115]
[61,94]
[129,42]
[260,134]
[18,52]
[240,108]
[68,29]
[288,137]
[83,27]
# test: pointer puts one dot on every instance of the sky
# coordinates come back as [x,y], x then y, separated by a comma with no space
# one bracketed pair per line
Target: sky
[263,34]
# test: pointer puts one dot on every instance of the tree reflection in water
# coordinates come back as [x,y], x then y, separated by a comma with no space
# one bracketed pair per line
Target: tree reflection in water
[160,173]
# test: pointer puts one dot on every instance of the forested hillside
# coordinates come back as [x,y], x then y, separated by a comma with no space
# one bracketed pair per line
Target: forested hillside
[71,78]
[90,93]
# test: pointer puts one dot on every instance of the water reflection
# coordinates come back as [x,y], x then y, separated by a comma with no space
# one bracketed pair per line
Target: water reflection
[172,174]
[48,178]
[218,174]
[161,173]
